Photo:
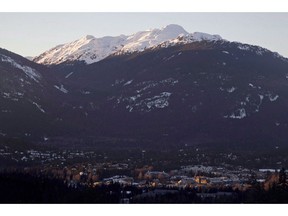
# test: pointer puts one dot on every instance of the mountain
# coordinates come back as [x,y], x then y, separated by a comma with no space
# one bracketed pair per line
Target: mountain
[90,49]
[193,89]
[199,92]
[28,100]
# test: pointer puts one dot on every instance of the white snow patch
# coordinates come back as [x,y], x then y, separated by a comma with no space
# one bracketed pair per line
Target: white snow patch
[232,89]
[130,109]
[169,81]
[247,98]
[13,96]
[30,72]
[151,84]
[257,49]
[169,58]
[273,98]
[19,94]
[128,82]
[68,75]
[159,101]
[258,105]
[61,88]
[243,47]
[261,98]
[166,94]
[39,107]
[85,92]
[6,95]
[238,114]
[117,82]
[226,52]
[224,63]
[251,85]
[133,98]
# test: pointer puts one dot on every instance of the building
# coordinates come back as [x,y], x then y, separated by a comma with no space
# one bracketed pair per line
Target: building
[201,180]
[123,180]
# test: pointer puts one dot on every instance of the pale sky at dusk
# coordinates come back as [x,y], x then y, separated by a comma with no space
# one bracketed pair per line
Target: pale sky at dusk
[30,34]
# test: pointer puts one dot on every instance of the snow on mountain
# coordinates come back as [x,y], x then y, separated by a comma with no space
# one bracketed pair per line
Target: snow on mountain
[189,38]
[146,39]
[91,49]
[30,72]
[61,88]
[88,49]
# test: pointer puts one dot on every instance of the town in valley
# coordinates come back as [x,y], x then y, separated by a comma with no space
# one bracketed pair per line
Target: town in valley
[185,175]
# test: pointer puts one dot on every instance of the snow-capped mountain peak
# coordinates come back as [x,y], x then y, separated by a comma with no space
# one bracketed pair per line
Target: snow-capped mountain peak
[173,30]
[146,39]
[90,49]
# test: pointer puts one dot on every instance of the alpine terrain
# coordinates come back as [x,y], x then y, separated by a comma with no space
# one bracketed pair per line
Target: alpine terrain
[161,87]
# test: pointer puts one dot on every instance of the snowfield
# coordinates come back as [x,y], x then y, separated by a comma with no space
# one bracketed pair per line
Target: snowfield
[90,49]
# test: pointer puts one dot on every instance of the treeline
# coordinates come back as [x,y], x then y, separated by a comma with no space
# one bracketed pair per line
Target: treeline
[26,188]
[258,195]
[19,187]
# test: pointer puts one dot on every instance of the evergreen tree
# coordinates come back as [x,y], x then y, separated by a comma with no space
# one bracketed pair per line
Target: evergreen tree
[282,177]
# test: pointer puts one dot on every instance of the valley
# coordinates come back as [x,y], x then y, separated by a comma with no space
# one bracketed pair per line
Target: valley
[144,116]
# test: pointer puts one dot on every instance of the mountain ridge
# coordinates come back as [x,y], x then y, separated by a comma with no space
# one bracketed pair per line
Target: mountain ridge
[184,90]
[90,49]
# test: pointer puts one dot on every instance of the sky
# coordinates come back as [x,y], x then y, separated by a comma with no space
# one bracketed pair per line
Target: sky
[30,34]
